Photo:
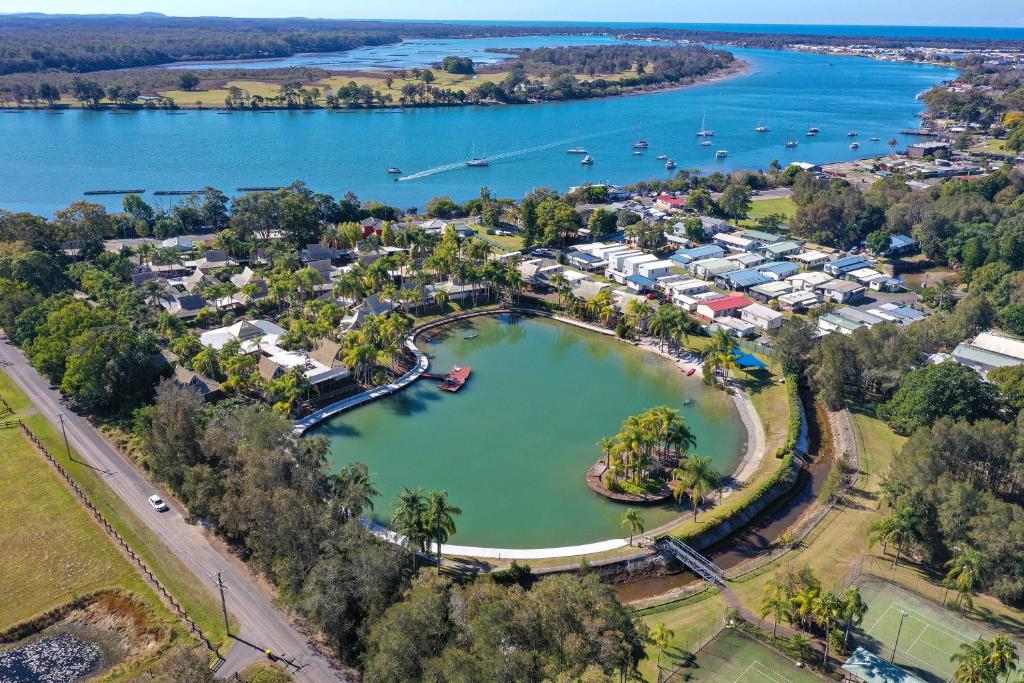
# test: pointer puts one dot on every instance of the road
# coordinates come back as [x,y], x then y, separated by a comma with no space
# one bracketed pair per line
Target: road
[259,624]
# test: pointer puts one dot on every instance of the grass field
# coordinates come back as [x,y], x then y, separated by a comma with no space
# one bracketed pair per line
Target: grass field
[929,635]
[505,242]
[991,145]
[53,550]
[175,576]
[766,207]
[735,658]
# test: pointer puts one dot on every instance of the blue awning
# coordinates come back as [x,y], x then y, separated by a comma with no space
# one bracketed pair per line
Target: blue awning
[746,360]
[871,669]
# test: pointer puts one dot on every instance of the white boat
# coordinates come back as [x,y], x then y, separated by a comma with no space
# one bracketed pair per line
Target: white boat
[810,134]
[815,130]
[662,157]
[640,144]
[638,153]
[577,150]
[669,165]
[762,129]
[476,161]
[704,131]
[394,169]
[874,138]
[721,154]
[791,143]
[855,145]
[852,134]
[587,160]
[705,143]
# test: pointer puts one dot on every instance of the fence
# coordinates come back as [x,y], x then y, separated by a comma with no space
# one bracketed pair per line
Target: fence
[193,627]
[701,640]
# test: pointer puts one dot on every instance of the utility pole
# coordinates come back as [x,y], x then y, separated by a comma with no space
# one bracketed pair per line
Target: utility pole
[903,615]
[60,416]
[223,604]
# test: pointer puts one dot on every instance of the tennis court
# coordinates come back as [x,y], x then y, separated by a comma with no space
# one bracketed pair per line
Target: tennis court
[927,638]
[735,658]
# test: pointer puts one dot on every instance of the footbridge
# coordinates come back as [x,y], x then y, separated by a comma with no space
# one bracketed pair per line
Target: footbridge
[697,563]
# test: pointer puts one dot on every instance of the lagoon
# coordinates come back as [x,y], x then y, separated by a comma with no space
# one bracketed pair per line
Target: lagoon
[48,161]
[513,447]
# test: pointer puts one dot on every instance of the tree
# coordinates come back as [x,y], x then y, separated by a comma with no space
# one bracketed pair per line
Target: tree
[735,202]
[828,610]
[555,219]
[901,526]
[854,609]
[879,241]
[49,92]
[964,571]
[439,520]
[934,391]
[695,475]
[188,81]
[409,519]
[442,207]
[634,520]
[774,602]
[601,222]
[662,637]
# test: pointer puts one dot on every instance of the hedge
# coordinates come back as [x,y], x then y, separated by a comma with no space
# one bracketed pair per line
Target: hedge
[796,411]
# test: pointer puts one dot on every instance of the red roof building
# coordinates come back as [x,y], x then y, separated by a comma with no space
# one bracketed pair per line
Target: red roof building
[719,308]
[667,202]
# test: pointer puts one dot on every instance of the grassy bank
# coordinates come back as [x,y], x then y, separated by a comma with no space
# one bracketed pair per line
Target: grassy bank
[175,576]
[767,207]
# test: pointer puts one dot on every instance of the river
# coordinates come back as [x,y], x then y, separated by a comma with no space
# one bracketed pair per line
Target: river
[48,161]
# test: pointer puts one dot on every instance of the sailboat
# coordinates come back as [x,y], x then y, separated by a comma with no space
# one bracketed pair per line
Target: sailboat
[476,161]
[704,131]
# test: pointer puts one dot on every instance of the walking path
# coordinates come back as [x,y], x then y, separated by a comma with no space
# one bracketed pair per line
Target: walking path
[260,624]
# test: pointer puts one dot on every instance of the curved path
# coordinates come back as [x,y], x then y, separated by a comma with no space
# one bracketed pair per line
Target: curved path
[753,456]
[259,623]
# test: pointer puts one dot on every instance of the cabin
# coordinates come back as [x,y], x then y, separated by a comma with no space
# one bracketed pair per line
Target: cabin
[847,321]
[733,242]
[798,300]
[847,264]
[901,245]
[707,269]
[770,291]
[989,351]
[734,326]
[808,281]
[842,291]
[809,259]
[741,280]
[722,307]
[585,261]
[780,250]
[687,256]
[778,270]
[762,317]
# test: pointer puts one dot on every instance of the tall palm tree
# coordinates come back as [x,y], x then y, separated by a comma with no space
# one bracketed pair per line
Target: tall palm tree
[409,519]
[775,603]
[972,664]
[205,363]
[964,569]
[1002,655]
[634,520]
[803,604]
[900,526]
[695,475]
[439,520]
[828,609]
[854,609]
[662,636]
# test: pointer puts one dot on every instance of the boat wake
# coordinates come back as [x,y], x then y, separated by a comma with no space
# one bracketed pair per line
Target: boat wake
[507,155]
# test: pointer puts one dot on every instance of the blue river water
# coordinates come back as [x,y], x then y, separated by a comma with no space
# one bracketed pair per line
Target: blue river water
[48,161]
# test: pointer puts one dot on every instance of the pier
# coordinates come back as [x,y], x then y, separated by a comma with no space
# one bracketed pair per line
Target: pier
[453,381]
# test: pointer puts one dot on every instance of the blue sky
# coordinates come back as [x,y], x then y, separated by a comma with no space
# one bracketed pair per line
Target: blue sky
[885,12]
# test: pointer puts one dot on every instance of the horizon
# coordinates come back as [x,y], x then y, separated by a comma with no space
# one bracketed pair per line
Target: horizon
[914,13]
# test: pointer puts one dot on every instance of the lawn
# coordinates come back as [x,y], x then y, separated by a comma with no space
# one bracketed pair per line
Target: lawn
[735,658]
[503,242]
[766,207]
[991,145]
[173,574]
[927,637]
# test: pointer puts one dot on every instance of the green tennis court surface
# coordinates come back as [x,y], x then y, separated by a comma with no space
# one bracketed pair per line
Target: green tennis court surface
[929,636]
[734,658]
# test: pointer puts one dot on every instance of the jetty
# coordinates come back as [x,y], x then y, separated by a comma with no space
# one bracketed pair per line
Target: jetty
[95,192]
[453,381]
[170,193]
[260,188]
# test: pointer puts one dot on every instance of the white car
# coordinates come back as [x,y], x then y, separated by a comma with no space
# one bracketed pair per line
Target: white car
[158,503]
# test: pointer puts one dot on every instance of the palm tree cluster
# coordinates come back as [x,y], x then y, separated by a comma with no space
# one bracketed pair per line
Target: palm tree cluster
[986,661]
[424,518]
[797,598]
[379,340]
[644,444]
[720,358]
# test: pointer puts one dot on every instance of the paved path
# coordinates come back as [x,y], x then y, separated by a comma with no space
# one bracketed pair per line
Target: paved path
[258,621]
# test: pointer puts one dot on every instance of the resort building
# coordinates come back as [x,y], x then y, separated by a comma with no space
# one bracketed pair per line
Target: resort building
[248,333]
[182,306]
[762,317]
[988,351]
[722,307]
[207,388]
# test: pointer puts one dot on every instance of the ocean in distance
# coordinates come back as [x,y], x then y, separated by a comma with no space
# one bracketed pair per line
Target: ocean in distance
[47,161]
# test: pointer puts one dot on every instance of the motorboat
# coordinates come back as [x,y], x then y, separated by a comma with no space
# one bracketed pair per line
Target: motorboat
[394,170]
[854,145]
[874,138]
[791,144]
[814,130]
[669,165]
[638,153]
[587,160]
[640,144]
[577,150]
[762,129]
[478,162]
[705,143]
[852,134]
[662,157]
[810,134]
[721,154]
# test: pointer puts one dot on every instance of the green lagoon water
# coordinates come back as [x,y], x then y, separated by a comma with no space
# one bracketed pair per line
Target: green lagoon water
[513,447]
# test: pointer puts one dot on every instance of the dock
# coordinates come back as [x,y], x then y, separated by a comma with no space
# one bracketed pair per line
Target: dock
[97,192]
[455,380]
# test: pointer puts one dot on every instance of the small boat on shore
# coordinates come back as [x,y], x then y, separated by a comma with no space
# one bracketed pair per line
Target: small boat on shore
[690,373]
[687,401]
[471,336]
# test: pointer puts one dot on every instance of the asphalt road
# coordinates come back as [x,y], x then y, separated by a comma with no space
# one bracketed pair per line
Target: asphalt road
[259,624]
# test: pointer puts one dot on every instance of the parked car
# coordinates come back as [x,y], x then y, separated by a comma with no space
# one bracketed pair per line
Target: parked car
[158,503]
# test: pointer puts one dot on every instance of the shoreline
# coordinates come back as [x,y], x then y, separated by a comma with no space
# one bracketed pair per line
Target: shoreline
[754,450]
[739,67]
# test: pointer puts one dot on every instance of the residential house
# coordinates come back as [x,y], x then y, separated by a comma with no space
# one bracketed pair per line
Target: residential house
[207,388]
[720,308]
[689,302]
[707,269]
[656,269]
[745,259]
[713,226]
[762,317]
[761,238]
[196,280]
[847,320]
[898,313]
[588,289]
[735,326]
[770,290]
[741,280]
[177,243]
[733,242]
[901,245]
[842,291]
[780,250]
[989,351]
[214,259]
[847,264]
[798,300]
[182,306]
[639,284]
[585,261]
[687,256]
[778,270]
[434,226]
[809,259]
[318,252]
[809,280]
[667,202]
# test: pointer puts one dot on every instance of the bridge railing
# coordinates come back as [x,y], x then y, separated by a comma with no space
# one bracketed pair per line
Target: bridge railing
[700,565]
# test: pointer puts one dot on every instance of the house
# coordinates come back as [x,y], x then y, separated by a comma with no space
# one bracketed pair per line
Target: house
[898,313]
[689,302]
[196,280]
[741,280]
[761,238]
[465,290]
[434,226]
[318,252]
[798,300]
[901,245]
[371,225]
[585,261]
[639,284]
[809,259]
[588,289]
[734,326]
[864,275]
[988,351]
[656,269]
[687,256]
[249,334]
[143,276]
[808,281]
[370,306]
[707,269]
[686,287]
[886,284]
[178,244]
[778,270]
[182,306]
[667,202]
[846,264]
[213,259]
[713,226]
[745,259]
[780,249]
[847,321]
[324,268]
[763,317]
[842,291]
[724,306]
[920,150]
[770,290]
[207,388]
[733,242]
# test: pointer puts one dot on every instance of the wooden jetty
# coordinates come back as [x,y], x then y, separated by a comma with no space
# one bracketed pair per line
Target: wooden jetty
[260,188]
[174,193]
[453,381]
[95,192]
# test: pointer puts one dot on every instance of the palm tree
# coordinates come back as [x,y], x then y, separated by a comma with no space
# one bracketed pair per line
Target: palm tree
[662,636]
[964,569]
[441,299]
[1002,655]
[900,526]
[168,325]
[634,521]
[803,604]
[606,447]
[696,475]
[828,609]
[439,520]
[408,519]
[775,603]
[972,664]
[205,363]
[854,609]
